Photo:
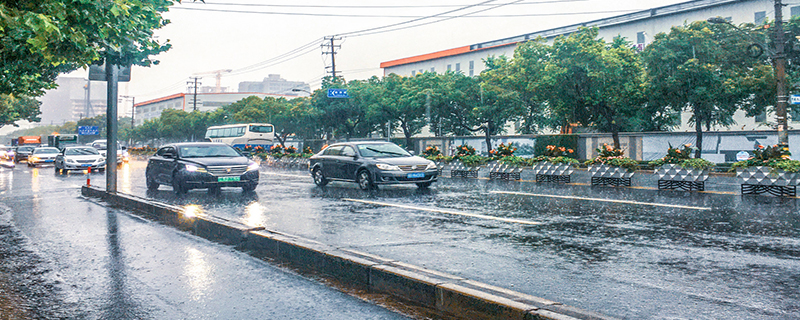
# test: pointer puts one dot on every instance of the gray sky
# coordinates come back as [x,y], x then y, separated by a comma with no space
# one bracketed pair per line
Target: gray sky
[236,34]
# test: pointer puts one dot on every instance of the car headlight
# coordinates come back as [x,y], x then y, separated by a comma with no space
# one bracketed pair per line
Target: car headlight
[34,159]
[431,166]
[70,160]
[387,167]
[252,166]
[194,168]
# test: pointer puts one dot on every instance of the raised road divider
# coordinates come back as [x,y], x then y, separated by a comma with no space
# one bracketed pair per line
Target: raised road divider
[444,293]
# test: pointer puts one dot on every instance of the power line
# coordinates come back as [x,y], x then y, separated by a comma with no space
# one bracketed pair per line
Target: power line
[522,15]
[261,64]
[364,7]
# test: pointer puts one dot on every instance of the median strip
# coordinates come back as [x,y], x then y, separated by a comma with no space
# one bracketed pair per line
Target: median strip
[601,200]
[458,213]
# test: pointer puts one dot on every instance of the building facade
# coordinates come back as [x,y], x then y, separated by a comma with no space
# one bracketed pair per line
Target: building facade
[638,27]
[74,99]
[185,101]
[274,84]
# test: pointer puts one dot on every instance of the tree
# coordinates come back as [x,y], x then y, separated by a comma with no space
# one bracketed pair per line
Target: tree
[13,108]
[403,100]
[349,115]
[702,68]
[41,39]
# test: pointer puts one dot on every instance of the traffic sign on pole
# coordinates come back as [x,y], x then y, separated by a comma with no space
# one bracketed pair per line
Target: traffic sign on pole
[337,93]
[88,130]
[794,99]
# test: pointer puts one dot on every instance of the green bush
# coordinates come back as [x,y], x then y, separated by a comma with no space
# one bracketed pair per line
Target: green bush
[568,141]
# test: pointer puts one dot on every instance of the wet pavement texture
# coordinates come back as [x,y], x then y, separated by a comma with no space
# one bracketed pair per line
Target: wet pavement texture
[67,257]
[633,253]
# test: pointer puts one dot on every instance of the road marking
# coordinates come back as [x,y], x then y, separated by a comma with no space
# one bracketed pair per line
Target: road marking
[473,215]
[601,200]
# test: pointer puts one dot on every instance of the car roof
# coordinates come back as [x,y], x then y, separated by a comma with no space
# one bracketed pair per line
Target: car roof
[352,143]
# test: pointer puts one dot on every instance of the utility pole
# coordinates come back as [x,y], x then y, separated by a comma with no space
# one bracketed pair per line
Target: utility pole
[88,108]
[780,77]
[112,77]
[195,84]
[325,45]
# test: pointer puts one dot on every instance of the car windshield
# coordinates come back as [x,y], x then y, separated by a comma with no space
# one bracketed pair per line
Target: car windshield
[80,151]
[23,149]
[384,150]
[207,151]
[45,150]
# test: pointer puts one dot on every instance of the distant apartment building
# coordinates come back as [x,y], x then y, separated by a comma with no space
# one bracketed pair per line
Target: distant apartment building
[185,101]
[73,100]
[638,27]
[274,84]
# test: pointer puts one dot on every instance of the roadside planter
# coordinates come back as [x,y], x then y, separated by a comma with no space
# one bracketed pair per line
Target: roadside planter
[762,179]
[672,176]
[769,170]
[607,175]
[504,171]
[547,171]
[460,170]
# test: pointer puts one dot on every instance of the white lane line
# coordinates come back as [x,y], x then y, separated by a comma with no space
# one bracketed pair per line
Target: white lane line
[473,215]
[285,175]
[601,200]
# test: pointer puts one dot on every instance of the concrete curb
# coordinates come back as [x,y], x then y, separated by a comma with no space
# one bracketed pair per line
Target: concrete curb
[449,294]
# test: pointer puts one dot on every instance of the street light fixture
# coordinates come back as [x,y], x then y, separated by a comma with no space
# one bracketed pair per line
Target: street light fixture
[301,90]
[778,57]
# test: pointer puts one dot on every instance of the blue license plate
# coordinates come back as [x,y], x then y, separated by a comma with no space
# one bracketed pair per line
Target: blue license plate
[86,165]
[414,175]
[49,160]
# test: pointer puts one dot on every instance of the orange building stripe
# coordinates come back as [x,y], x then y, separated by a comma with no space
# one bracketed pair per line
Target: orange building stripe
[428,56]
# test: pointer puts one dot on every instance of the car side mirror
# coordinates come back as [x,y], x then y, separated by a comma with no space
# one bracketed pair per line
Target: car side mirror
[412,152]
[124,148]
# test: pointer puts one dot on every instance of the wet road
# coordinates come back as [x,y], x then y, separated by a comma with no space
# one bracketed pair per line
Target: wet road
[626,252]
[67,257]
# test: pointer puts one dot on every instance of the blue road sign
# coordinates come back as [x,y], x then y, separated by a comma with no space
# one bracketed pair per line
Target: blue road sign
[88,130]
[794,99]
[337,93]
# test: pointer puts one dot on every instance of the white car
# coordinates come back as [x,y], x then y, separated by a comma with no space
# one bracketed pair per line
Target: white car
[42,155]
[79,158]
[102,146]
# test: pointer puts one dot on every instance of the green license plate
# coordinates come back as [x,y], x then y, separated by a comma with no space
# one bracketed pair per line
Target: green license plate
[227,179]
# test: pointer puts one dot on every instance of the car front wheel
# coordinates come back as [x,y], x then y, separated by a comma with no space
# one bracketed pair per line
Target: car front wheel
[151,184]
[364,180]
[178,185]
[319,178]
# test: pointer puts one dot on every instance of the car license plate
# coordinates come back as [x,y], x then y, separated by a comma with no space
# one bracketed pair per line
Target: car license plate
[227,179]
[416,175]
[86,165]
[49,160]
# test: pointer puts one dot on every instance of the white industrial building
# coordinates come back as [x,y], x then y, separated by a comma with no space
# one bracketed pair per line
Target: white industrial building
[638,27]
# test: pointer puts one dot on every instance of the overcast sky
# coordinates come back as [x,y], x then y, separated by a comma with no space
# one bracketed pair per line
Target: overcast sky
[238,34]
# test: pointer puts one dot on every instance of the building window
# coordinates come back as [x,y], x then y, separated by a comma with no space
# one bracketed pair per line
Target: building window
[420,71]
[413,73]
[448,67]
[760,17]
[795,11]
[471,68]
[458,67]
[794,113]
[433,69]
[640,37]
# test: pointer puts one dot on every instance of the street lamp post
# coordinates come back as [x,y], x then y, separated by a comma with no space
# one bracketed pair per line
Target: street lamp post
[778,57]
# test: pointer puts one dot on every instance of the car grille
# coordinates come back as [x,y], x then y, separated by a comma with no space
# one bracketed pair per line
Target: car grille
[85,161]
[418,167]
[223,171]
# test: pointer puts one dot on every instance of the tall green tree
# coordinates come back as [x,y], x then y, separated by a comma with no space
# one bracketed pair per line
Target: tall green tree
[15,107]
[404,100]
[702,68]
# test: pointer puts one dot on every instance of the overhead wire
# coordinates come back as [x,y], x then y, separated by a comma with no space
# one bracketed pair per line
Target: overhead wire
[522,15]
[348,7]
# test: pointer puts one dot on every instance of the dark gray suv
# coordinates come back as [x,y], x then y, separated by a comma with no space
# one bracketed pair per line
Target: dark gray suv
[370,164]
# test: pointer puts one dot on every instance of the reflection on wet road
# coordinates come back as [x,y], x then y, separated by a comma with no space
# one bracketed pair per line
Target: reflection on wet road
[694,256]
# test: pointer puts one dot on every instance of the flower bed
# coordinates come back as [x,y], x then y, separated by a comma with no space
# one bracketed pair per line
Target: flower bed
[554,165]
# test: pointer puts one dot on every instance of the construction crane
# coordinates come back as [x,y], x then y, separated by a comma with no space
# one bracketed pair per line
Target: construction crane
[217,74]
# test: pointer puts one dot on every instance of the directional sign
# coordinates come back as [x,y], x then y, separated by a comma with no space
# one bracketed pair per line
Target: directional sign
[337,93]
[88,130]
[794,99]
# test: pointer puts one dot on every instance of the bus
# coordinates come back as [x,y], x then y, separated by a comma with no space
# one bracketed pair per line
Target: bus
[241,135]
